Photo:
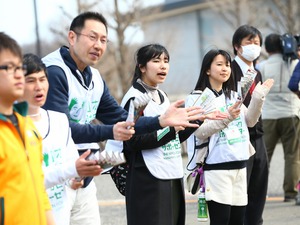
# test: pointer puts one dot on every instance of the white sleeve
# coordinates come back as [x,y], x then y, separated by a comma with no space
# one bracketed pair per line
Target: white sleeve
[58,174]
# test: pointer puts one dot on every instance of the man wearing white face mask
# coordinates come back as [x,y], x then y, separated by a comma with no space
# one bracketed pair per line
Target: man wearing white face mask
[250,52]
[246,42]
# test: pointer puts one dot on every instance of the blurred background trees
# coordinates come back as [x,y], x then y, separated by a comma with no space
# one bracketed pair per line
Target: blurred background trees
[127,20]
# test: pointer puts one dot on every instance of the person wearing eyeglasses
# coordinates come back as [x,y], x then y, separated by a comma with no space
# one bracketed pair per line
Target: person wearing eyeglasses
[23,199]
[77,89]
[11,69]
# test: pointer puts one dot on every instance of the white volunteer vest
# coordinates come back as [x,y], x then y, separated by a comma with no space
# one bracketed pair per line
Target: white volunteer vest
[164,162]
[55,153]
[83,103]
[222,146]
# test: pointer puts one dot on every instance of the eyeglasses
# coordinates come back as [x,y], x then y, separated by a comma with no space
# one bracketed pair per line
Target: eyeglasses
[94,38]
[11,69]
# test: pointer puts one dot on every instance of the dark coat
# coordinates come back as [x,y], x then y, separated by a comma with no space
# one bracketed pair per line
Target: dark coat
[256,131]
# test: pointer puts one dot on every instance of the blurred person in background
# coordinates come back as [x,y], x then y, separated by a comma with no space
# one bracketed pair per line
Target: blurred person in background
[280,114]
[294,87]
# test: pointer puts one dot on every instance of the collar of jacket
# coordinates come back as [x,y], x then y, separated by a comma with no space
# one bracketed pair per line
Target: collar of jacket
[139,87]
[87,73]
[21,108]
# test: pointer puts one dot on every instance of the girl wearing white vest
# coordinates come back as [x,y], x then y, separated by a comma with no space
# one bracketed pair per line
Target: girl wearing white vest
[154,186]
[229,145]
[61,159]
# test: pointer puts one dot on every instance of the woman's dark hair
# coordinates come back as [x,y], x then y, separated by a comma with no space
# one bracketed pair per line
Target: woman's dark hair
[78,22]
[33,64]
[203,80]
[242,32]
[144,55]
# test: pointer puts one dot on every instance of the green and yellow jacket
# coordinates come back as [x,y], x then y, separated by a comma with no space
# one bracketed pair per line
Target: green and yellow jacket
[23,199]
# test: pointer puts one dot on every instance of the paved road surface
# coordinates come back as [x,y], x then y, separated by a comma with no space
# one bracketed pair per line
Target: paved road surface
[112,204]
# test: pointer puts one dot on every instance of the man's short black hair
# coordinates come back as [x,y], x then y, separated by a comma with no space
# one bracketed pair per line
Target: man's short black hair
[78,22]
[273,43]
[242,32]
[8,43]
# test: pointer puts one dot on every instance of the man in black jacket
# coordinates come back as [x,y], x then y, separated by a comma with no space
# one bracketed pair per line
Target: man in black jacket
[246,42]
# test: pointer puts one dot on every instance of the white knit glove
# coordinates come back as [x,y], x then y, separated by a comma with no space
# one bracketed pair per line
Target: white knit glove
[258,96]
[261,90]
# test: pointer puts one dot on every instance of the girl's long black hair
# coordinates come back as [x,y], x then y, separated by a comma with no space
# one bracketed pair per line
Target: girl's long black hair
[203,80]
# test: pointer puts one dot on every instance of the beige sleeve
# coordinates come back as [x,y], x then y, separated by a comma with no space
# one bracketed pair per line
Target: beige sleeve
[253,112]
[210,127]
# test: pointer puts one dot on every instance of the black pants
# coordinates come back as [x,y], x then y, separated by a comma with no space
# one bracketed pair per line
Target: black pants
[221,214]
[257,176]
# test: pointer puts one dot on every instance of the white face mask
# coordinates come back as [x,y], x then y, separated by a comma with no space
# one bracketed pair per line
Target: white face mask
[251,52]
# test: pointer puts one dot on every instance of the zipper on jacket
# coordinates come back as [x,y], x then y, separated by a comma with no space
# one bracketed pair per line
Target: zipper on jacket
[2,211]
[39,200]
